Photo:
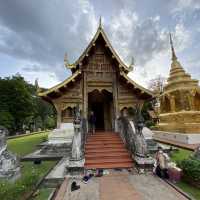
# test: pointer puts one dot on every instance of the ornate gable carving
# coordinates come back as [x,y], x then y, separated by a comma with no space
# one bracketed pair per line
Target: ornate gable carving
[99,65]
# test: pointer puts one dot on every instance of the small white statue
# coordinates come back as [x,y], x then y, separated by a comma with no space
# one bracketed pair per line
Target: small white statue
[9,164]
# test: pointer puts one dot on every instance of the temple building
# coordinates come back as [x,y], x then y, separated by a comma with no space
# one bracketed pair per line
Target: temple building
[180,101]
[98,83]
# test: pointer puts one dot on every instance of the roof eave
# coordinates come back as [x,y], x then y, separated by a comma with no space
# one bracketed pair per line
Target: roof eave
[58,86]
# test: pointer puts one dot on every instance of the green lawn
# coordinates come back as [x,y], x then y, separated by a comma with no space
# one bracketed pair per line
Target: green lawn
[43,194]
[192,191]
[31,173]
[178,156]
[27,144]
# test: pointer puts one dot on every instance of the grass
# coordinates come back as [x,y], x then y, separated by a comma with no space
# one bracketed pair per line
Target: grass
[43,194]
[27,144]
[30,173]
[180,155]
[192,191]
[177,157]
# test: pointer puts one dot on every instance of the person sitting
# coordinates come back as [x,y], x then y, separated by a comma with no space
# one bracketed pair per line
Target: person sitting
[161,164]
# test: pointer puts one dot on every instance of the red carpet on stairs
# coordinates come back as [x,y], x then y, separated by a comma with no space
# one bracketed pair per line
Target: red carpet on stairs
[105,150]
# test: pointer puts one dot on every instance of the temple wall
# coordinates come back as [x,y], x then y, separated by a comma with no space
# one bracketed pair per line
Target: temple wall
[67,102]
[126,97]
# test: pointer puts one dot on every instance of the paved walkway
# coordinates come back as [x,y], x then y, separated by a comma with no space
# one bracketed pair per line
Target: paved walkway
[123,186]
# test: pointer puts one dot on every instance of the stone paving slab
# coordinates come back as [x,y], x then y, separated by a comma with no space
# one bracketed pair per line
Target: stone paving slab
[122,185]
[89,191]
[117,187]
[153,188]
[59,170]
[37,156]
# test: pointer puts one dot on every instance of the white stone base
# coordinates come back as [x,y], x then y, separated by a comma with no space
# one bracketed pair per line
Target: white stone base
[148,134]
[177,137]
[62,135]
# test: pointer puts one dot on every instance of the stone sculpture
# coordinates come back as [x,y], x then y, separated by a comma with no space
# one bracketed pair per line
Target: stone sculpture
[140,143]
[197,153]
[9,164]
[76,144]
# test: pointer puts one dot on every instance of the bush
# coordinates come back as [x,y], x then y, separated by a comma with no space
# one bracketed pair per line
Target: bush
[191,170]
[11,191]
[149,123]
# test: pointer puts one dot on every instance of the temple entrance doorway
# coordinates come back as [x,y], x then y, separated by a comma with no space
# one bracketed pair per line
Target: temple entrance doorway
[101,103]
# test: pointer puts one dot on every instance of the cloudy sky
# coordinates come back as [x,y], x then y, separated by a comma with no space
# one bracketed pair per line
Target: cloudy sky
[35,35]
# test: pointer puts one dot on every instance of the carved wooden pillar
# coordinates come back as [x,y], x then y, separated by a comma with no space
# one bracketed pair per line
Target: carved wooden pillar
[59,118]
[85,96]
[59,114]
[115,100]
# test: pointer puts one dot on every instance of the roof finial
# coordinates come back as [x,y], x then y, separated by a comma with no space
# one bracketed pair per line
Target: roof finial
[65,60]
[37,86]
[100,22]
[172,48]
[131,66]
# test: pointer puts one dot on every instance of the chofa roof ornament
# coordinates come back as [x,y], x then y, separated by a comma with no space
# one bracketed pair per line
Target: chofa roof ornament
[66,62]
[132,64]
[38,89]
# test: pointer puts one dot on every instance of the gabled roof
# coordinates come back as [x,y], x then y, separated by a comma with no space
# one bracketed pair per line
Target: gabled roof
[60,85]
[137,86]
[99,32]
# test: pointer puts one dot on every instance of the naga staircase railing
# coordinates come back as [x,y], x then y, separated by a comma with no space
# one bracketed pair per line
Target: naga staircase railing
[126,133]
[84,134]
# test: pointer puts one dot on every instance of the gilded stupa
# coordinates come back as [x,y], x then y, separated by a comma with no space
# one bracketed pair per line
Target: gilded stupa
[180,100]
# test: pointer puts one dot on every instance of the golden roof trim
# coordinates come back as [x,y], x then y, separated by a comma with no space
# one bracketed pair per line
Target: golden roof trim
[62,84]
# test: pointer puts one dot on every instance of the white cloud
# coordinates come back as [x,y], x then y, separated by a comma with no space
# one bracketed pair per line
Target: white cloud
[186,4]
[38,33]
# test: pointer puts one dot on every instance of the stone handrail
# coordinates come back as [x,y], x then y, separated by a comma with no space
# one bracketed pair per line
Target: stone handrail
[83,134]
[79,139]
[132,136]
[127,134]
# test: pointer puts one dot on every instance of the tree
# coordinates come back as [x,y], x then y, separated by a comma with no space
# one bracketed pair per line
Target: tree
[6,120]
[20,108]
[157,84]
[15,100]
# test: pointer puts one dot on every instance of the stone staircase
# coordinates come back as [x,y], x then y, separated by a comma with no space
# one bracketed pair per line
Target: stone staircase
[105,150]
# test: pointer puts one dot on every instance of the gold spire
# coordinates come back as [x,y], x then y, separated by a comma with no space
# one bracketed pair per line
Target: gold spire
[172,48]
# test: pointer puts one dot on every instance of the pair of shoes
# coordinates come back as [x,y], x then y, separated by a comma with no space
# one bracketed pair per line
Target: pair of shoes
[85,179]
[99,173]
[74,186]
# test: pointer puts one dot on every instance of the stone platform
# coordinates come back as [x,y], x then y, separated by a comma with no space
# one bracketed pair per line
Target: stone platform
[183,138]
[120,185]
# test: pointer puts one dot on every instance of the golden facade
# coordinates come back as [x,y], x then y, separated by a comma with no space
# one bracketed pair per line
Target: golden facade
[180,101]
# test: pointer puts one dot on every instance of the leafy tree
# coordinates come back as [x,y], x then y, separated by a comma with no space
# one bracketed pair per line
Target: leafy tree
[6,120]
[157,84]
[20,108]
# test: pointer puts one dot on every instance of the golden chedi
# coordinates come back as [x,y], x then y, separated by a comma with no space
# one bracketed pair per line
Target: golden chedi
[180,101]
